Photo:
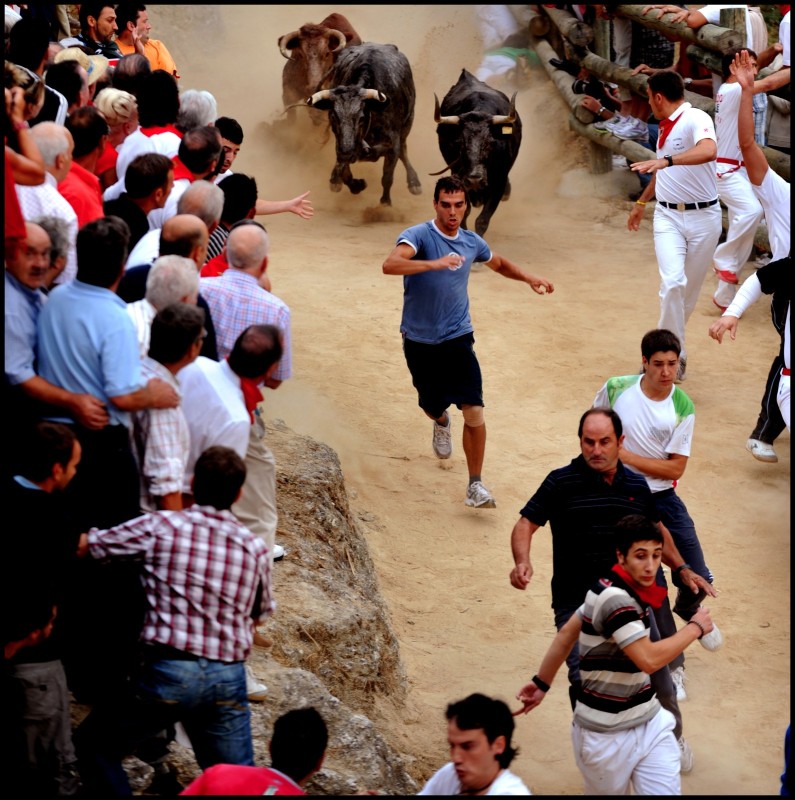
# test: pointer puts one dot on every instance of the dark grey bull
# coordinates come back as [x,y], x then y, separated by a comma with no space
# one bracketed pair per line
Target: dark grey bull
[310,52]
[479,135]
[370,108]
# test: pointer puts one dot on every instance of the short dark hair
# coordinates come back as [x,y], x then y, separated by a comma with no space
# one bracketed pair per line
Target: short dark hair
[449,184]
[102,247]
[65,78]
[728,59]
[128,12]
[255,350]
[87,126]
[492,716]
[218,476]
[200,149]
[667,83]
[28,42]
[48,444]
[158,99]
[618,426]
[636,528]
[90,10]
[659,340]
[299,740]
[146,173]
[175,329]
[240,196]
[230,129]
[130,74]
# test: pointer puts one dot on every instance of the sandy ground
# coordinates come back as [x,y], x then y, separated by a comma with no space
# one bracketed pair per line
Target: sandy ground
[444,568]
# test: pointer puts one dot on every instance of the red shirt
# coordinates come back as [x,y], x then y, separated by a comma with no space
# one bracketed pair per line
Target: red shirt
[215,266]
[107,160]
[229,779]
[82,190]
[14,223]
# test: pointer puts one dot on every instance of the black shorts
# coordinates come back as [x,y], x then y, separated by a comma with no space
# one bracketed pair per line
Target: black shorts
[445,374]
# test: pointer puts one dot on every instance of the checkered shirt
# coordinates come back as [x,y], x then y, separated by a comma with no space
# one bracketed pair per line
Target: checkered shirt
[236,301]
[202,571]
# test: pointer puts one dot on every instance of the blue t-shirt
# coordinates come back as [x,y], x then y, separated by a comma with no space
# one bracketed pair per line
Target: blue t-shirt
[435,303]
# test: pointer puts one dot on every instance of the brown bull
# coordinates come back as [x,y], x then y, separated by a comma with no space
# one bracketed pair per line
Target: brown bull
[310,52]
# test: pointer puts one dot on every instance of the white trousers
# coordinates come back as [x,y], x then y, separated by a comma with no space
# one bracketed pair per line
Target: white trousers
[783,398]
[256,508]
[745,214]
[684,242]
[644,758]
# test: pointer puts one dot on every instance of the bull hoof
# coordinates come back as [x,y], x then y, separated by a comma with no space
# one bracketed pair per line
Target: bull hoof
[415,188]
[357,185]
[385,201]
[335,187]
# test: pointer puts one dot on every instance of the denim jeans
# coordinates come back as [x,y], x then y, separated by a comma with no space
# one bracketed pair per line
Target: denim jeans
[208,697]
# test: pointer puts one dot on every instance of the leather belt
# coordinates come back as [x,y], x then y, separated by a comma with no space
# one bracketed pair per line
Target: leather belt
[688,206]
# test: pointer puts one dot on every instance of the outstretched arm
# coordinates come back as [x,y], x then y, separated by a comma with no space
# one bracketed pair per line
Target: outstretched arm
[508,269]
[755,162]
[300,205]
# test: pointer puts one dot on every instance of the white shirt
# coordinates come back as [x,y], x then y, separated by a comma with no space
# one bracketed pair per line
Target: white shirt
[212,401]
[157,216]
[686,184]
[783,37]
[146,250]
[712,15]
[445,782]
[46,200]
[727,113]
[222,175]
[142,312]
[136,144]
[774,195]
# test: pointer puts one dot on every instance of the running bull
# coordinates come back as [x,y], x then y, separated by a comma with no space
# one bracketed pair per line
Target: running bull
[371,108]
[479,135]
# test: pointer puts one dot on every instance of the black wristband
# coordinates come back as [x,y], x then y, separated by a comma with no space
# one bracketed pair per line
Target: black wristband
[670,160]
[541,684]
[677,570]
[699,625]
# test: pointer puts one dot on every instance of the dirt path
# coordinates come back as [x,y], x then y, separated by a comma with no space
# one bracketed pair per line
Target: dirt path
[444,568]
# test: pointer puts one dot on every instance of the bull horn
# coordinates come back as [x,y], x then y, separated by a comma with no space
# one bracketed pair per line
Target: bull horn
[283,42]
[302,104]
[502,119]
[374,94]
[323,94]
[439,119]
[434,174]
[340,36]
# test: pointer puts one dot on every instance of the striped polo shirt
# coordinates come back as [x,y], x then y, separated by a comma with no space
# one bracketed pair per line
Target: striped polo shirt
[616,694]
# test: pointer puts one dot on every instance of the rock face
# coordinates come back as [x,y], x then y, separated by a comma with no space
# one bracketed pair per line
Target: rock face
[333,645]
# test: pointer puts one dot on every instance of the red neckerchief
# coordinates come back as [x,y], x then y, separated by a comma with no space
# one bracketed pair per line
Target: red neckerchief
[154,130]
[252,395]
[666,126]
[653,595]
[784,10]
[181,171]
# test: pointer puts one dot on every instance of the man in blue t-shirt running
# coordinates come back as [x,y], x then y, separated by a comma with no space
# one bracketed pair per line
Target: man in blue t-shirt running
[435,259]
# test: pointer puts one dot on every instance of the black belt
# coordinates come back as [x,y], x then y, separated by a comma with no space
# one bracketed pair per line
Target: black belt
[156,652]
[688,206]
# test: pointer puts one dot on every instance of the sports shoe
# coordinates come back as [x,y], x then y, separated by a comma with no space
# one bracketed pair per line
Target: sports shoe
[478,496]
[442,439]
[722,308]
[635,129]
[725,275]
[608,124]
[686,757]
[257,692]
[761,451]
[680,372]
[278,552]
[712,640]
[678,677]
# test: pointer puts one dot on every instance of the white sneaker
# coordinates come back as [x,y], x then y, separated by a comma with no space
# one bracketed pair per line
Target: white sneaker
[678,677]
[257,692]
[761,451]
[686,757]
[633,128]
[609,124]
[442,439]
[478,496]
[278,552]
[712,640]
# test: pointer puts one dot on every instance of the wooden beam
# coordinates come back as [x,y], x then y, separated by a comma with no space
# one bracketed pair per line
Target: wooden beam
[578,33]
[537,22]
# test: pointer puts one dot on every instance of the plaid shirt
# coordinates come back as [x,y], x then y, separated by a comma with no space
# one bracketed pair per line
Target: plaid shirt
[236,301]
[202,571]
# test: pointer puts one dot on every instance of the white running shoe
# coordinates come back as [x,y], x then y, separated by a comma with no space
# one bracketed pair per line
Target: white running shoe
[761,451]
[678,677]
[633,128]
[442,439]
[278,552]
[257,692]
[712,640]
[686,757]
[478,496]
[609,124]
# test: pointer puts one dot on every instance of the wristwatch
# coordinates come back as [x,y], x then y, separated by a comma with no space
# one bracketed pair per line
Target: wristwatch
[688,81]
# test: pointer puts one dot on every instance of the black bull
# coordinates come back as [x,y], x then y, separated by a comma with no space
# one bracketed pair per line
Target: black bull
[479,135]
[371,108]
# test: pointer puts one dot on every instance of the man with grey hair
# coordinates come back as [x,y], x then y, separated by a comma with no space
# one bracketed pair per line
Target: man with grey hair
[55,144]
[172,279]
[58,231]
[197,107]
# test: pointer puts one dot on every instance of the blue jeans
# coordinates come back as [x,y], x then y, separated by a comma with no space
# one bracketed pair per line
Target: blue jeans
[654,130]
[208,697]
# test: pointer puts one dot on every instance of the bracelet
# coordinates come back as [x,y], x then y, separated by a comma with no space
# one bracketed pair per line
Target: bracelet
[670,160]
[677,570]
[639,203]
[541,684]
[601,110]
[21,126]
[699,625]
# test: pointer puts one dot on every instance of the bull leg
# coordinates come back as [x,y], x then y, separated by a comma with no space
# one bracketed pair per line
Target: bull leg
[489,207]
[390,162]
[411,173]
[335,182]
[342,174]
[506,195]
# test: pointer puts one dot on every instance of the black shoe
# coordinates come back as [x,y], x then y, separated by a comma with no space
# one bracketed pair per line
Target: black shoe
[567,66]
[164,784]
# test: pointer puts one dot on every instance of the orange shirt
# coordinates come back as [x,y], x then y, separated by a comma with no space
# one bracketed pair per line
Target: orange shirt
[156,53]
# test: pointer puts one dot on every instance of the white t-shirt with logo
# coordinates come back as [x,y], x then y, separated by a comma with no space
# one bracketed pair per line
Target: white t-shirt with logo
[445,782]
